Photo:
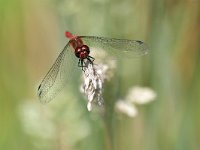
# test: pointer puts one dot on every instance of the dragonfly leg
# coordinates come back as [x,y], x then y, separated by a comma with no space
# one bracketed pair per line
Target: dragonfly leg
[81,64]
[91,58]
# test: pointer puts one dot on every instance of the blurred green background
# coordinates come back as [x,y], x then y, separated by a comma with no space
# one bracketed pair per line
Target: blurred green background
[31,37]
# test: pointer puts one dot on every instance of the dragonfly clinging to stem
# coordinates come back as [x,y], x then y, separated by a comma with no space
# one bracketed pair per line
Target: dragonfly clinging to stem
[78,50]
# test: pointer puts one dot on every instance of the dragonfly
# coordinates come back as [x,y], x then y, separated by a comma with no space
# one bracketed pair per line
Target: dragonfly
[76,52]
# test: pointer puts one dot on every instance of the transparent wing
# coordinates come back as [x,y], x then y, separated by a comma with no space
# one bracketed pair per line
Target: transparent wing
[57,76]
[117,47]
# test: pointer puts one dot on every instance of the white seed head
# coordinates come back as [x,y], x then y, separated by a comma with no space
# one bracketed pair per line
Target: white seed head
[92,86]
[136,95]
[94,76]
[38,122]
[126,108]
[141,95]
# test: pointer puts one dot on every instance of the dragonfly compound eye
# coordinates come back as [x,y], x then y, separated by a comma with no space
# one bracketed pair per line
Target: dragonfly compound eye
[78,51]
[86,49]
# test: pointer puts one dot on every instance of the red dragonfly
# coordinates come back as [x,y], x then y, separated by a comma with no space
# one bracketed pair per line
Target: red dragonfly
[57,76]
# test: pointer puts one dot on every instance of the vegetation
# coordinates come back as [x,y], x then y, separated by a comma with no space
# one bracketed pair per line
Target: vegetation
[31,37]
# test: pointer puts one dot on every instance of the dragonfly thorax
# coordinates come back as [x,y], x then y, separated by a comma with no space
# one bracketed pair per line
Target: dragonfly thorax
[76,42]
[82,52]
